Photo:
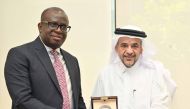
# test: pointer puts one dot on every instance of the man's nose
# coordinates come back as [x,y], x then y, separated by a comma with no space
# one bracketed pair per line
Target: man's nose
[129,50]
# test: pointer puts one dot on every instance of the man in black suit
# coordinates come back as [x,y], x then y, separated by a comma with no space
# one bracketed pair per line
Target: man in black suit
[30,76]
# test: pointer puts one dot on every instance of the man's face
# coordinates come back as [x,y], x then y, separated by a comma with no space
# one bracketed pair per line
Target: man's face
[129,50]
[53,38]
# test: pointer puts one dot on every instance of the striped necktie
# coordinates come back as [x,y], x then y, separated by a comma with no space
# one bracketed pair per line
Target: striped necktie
[59,70]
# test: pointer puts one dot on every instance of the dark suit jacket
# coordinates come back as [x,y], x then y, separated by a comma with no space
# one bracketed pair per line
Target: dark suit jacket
[31,79]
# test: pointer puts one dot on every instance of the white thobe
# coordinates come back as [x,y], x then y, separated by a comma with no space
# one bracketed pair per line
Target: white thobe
[139,87]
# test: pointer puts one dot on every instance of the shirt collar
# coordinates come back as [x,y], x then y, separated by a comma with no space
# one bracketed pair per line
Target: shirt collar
[50,49]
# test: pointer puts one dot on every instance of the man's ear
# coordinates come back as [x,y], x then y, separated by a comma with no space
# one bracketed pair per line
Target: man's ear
[40,27]
[141,50]
[116,47]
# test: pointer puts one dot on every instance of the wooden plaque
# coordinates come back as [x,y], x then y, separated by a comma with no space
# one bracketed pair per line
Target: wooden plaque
[104,102]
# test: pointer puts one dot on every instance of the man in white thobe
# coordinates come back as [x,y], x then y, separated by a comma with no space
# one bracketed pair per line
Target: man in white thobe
[136,80]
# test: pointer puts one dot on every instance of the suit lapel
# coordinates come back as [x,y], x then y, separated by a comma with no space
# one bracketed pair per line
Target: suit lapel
[45,60]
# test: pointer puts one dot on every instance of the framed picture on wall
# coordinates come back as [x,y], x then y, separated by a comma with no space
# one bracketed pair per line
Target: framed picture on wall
[104,102]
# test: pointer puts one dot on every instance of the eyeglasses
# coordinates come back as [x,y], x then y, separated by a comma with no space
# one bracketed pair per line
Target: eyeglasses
[54,26]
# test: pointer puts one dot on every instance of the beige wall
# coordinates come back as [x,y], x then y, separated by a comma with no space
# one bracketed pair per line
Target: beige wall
[88,40]
[165,21]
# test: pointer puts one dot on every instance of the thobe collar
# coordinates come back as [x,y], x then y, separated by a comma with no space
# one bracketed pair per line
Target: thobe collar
[122,69]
